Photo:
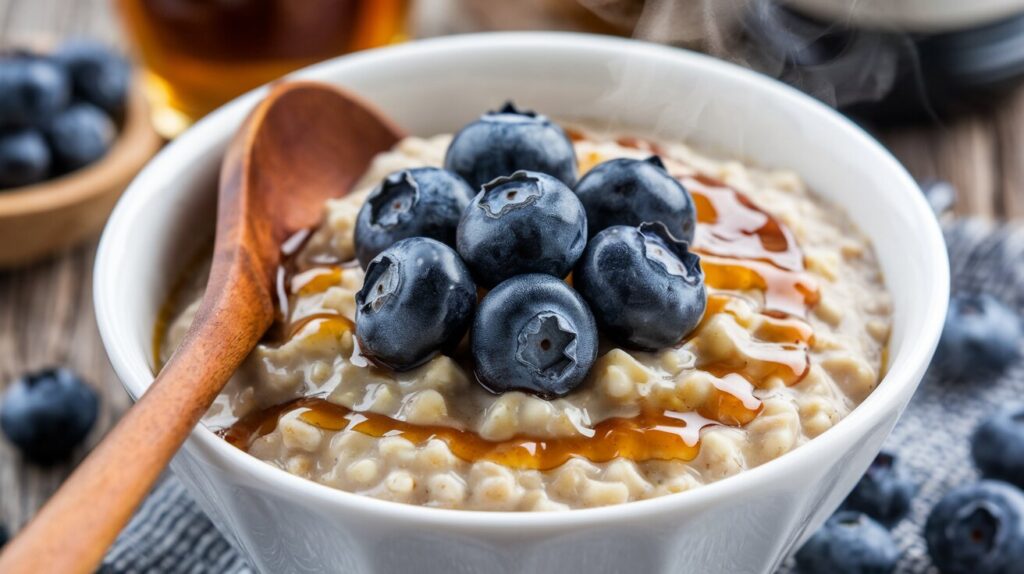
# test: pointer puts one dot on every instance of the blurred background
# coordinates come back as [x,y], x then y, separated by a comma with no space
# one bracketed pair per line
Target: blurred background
[937,81]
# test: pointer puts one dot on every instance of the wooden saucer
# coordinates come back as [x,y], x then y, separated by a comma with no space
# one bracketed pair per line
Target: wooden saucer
[37,220]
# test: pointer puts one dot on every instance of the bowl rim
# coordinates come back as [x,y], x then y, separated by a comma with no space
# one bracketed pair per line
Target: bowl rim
[924,16]
[905,369]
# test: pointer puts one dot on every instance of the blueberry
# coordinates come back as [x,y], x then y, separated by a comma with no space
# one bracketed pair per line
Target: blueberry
[417,300]
[941,195]
[883,493]
[420,202]
[48,413]
[4,536]
[32,90]
[645,287]
[978,529]
[630,192]
[997,446]
[981,335]
[525,223]
[79,136]
[24,158]
[509,140]
[849,543]
[533,333]
[98,75]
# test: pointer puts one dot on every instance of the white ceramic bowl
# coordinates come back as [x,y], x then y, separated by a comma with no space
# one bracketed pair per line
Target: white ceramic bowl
[746,523]
[929,16]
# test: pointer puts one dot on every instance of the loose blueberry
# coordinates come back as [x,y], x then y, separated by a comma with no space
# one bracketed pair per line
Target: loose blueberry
[98,75]
[941,195]
[646,288]
[630,192]
[981,335]
[417,300]
[420,202]
[24,158]
[79,136]
[32,90]
[883,493]
[533,333]
[47,414]
[509,140]
[978,529]
[849,543]
[997,446]
[525,223]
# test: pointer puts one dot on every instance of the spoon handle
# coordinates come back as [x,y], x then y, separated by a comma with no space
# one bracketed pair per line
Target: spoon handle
[72,532]
[304,143]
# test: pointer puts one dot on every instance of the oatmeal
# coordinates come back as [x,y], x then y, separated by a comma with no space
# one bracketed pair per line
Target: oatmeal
[792,339]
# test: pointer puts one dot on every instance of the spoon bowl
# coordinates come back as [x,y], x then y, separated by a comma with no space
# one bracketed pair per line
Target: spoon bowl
[290,158]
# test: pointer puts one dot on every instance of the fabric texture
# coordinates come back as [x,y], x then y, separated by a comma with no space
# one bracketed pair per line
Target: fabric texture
[170,534]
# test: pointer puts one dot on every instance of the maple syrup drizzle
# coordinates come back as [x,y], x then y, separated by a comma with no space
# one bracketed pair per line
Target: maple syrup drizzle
[742,248]
[328,324]
[785,292]
[770,328]
[650,436]
[754,249]
[296,278]
[779,346]
[733,403]
[316,280]
[734,227]
[789,365]
[290,248]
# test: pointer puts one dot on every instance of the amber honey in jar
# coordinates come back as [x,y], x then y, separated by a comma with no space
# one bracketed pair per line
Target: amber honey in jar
[198,54]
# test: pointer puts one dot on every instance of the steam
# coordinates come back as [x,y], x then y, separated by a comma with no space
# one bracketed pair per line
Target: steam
[837,65]
[696,24]
[831,61]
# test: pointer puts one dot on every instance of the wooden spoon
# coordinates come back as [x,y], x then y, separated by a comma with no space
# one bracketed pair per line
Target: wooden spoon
[306,142]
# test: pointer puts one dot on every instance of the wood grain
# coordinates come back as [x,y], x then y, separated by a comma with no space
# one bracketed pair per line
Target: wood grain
[46,313]
[965,152]
[1009,133]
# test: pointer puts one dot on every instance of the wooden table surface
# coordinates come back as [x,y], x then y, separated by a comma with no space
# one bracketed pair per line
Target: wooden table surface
[46,313]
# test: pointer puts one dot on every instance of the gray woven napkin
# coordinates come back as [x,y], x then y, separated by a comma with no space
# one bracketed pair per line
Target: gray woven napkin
[170,534]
